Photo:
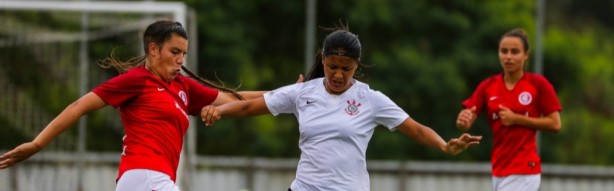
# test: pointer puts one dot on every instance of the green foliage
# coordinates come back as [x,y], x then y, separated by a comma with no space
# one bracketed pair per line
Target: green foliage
[426,55]
[431,58]
[264,136]
[585,139]
[9,137]
[421,52]
[579,64]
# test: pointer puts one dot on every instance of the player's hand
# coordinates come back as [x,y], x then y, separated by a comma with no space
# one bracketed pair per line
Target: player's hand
[506,115]
[210,114]
[465,118]
[21,152]
[458,145]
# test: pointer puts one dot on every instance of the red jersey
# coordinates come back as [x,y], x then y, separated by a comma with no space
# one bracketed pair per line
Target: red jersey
[514,147]
[155,117]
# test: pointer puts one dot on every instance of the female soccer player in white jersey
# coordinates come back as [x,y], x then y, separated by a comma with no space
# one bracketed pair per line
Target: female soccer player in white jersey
[337,115]
[154,101]
[517,104]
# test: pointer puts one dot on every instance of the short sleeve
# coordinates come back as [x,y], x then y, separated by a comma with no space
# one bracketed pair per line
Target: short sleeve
[477,98]
[199,96]
[386,112]
[548,101]
[120,88]
[282,100]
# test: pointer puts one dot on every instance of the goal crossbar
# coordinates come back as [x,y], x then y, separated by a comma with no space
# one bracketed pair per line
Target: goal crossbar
[177,9]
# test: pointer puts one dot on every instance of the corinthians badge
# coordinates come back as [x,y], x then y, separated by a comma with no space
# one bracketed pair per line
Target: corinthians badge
[352,108]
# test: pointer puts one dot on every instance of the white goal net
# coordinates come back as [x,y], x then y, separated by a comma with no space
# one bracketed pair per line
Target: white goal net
[48,59]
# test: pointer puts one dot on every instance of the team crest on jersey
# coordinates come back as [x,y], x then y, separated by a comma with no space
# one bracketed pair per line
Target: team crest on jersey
[352,108]
[525,98]
[183,97]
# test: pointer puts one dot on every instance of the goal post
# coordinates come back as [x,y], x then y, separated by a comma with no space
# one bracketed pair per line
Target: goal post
[176,11]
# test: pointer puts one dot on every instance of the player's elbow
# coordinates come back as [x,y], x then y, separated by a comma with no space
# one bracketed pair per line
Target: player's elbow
[553,124]
[556,128]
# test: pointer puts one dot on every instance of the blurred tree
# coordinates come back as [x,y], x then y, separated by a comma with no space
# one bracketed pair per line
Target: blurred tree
[579,63]
[427,56]
[253,45]
[431,47]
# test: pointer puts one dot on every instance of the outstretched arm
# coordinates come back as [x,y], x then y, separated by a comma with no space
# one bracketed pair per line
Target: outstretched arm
[245,108]
[426,136]
[224,98]
[63,121]
[251,94]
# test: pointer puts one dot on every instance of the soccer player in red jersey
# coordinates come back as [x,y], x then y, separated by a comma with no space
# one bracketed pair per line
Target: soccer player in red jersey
[517,104]
[154,101]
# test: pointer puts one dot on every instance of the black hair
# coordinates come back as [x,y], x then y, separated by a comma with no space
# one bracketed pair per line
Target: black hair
[158,33]
[340,42]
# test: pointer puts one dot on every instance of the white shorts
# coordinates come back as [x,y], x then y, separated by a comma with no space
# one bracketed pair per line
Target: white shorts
[516,182]
[145,180]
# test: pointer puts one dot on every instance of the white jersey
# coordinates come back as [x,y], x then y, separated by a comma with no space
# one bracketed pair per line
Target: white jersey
[334,131]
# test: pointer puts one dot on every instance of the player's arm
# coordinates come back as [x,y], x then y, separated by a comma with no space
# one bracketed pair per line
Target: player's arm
[251,94]
[550,122]
[63,121]
[245,108]
[224,97]
[258,94]
[426,136]
[473,106]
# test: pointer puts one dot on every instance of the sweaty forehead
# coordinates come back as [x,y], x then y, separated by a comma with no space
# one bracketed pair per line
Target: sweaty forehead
[339,60]
[177,42]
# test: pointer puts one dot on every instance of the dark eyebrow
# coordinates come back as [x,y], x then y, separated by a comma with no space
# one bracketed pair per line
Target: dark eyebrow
[178,49]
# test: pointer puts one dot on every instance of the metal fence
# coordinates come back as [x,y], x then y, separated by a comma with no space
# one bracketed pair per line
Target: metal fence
[52,171]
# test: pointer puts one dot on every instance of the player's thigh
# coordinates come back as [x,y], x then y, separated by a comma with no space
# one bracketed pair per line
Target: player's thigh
[145,180]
